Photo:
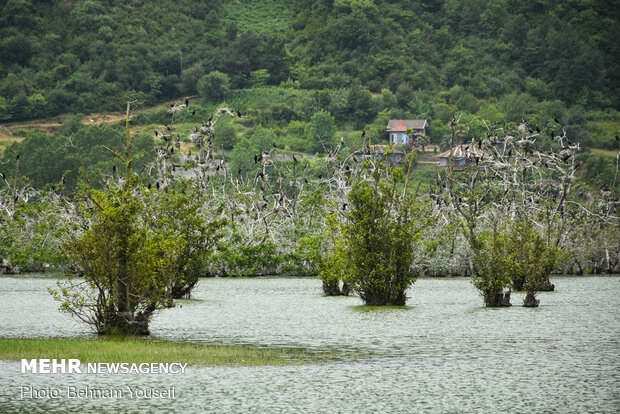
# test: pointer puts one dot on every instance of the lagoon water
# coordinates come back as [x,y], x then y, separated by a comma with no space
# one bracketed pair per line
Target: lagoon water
[442,353]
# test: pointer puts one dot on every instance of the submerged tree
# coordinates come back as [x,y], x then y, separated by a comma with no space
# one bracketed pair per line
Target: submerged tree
[504,180]
[379,230]
[179,213]
[533,260]
[127,263]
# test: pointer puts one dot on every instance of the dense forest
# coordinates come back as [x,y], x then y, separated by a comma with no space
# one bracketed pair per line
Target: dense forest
[82,56]
[362,61]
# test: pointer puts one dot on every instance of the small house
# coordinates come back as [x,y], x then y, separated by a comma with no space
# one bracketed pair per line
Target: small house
[394,157]
[461,156]
[397,130]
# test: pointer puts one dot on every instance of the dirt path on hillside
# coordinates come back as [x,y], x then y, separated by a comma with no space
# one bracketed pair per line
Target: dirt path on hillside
[50,125]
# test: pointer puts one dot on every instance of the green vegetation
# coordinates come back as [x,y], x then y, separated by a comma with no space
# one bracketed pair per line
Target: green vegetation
[29,241]
[259,16]
[136,250]
[176,214]
[498,59]
[245,179]
[120,349]
[47,159]
[375,239]
[534,260]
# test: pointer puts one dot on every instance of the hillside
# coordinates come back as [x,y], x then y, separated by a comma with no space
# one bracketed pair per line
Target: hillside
[361,61]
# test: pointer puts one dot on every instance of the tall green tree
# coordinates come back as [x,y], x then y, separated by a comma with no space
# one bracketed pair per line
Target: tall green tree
[321,131]
[128,264]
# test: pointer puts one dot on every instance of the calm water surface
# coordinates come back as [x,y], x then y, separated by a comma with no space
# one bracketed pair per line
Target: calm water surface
[442,353]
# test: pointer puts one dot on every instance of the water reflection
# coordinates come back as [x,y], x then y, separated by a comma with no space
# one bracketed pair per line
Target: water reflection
[443,352]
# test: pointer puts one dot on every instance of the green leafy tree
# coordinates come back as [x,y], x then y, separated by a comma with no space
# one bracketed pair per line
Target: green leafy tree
[190,78]
[423,141]
[329,258]
[177,212]
[225,135]
[377,246]
[360,104]
[494,266]
[128,264]
[321,131]
[250,146]
[534,259]
[214,86]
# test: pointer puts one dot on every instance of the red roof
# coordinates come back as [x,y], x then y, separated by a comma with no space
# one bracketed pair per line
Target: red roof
[401,125]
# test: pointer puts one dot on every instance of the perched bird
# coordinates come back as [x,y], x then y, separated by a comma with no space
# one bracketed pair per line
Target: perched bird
[238,113]
[18,155]
[187,102]
[193,112]
[566,154]
[363,134]
[274,145]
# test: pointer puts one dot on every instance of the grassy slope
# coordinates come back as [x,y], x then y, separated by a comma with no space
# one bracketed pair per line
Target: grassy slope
[260,16]
[140,350]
